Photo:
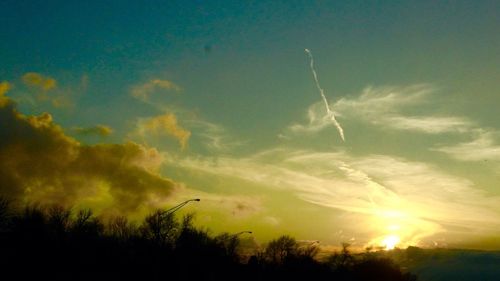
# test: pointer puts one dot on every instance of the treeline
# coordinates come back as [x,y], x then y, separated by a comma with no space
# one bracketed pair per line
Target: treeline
[54,243]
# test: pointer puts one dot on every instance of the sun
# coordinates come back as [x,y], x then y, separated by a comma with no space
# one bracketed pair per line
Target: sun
[390,241]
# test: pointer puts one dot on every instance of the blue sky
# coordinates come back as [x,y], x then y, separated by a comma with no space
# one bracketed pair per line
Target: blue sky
[219,98]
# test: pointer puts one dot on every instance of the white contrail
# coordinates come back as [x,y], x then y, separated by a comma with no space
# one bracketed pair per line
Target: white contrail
[328,111]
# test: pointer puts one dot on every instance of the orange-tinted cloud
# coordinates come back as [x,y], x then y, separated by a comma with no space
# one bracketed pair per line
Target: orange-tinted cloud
[4,88]
[36,80]
[41,85]
[38,162]
[165,124]
[98,130]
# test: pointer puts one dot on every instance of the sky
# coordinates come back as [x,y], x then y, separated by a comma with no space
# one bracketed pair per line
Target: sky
[125,106]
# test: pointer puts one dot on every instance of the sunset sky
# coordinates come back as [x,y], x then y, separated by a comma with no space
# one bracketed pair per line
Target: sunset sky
[127,106]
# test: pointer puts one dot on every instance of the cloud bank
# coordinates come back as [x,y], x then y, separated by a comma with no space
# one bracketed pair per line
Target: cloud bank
[38,162]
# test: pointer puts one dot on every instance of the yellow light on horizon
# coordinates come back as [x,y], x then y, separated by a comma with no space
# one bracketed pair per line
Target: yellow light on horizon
[390,242]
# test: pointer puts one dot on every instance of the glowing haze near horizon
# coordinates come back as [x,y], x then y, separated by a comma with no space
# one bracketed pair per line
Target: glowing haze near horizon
[126,107]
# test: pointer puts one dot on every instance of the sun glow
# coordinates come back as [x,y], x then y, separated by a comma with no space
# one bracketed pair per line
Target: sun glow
[390,241]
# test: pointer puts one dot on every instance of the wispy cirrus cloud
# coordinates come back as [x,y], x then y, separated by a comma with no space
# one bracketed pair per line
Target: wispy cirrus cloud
[385,194]
[386,107]
[317,121]
[145,90]
[483,147]
[374,101]
[212,136]
[430,124]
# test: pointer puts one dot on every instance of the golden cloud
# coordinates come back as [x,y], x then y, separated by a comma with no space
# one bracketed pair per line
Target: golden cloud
[145,90]
[41,85]
[38,162]
[99,130]
[39,81]
[165,124]
[4,88]
[62,101]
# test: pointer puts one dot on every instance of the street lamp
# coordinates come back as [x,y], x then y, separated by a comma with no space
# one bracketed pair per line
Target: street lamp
[177,207]
[241,232]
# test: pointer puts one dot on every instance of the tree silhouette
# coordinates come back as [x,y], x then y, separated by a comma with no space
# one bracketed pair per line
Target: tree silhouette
[55,243]
[4,214]
[58,220]
[342,261]
[279,249]
[160,228]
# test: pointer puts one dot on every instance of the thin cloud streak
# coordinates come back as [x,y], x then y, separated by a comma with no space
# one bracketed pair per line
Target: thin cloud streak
[430,124]
[482,148]
[212,136]
[144,91]
[97,130]
[329,112]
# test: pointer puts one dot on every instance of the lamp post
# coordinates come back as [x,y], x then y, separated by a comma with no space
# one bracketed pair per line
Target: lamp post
[177,207]
[241,232]
[231,242]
